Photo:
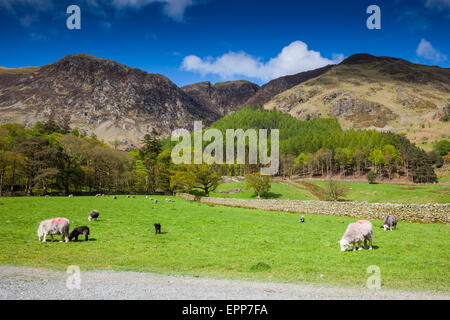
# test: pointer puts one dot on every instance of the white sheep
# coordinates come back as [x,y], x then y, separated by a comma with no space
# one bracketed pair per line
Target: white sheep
[54,226]
[357,232]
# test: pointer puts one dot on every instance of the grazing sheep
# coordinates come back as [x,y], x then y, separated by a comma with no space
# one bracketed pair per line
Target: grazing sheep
[134,197]
[47,196]
[97,195]
[389,222]
[70,195]
[54,226]
[169,200]
[357,232]
[302,219]
[151,199]
[114,198]
[78,231]
[128,197]
[157,228]
[156,201]
[93,215]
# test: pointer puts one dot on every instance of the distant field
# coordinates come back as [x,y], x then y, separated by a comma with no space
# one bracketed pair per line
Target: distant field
[277,191]
[221,242]
[395,193]
[360,191]
[443,175]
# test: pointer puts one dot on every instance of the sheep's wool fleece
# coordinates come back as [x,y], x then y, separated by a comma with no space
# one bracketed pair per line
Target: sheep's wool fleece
[358,231]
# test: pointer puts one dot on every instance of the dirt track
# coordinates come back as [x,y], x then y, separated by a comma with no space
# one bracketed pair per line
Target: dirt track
[21,283]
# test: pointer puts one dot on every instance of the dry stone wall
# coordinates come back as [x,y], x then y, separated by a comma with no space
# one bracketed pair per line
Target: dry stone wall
[426,213]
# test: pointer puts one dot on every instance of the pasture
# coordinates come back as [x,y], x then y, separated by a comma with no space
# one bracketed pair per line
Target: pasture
[395,193]
[358,191]
[221,242]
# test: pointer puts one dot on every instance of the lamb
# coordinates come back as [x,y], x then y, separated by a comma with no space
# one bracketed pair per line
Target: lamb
[389,222]
[156,201]
[98,195]
[168,200]
[93,215]
[54,226]
[157,228]
[356,233]
[80,230]
[114,198]
[70,195]
[302,219]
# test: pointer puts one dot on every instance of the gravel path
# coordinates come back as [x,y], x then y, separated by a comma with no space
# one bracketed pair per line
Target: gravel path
[21,283]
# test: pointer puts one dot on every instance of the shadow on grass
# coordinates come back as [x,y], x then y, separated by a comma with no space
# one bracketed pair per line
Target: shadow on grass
[268,195]
[82,240]
[373,248]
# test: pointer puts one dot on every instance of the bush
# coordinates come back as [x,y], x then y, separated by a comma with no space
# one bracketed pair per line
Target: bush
[372,177]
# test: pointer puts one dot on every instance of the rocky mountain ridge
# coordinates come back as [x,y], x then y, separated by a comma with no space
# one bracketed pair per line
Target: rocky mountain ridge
[120,103]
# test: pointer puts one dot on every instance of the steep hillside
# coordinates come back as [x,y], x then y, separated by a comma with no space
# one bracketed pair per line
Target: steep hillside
[222,97]
[276,86]
[384,93]
[100,96]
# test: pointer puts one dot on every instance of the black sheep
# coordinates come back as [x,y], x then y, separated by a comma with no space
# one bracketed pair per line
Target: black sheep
[80,230]
[157,228]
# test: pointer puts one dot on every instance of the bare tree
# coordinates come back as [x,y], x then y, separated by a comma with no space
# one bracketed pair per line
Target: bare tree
[334,190]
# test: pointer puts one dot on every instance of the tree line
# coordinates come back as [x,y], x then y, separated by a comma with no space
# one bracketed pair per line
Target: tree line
[51,157]
[320,147]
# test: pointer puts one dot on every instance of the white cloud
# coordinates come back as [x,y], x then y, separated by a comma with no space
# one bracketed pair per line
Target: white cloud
[175,9]
[37,5]
[293,59]
[425,50]
[438,4]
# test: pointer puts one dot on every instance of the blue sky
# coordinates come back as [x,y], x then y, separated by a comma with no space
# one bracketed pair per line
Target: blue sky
[216,40]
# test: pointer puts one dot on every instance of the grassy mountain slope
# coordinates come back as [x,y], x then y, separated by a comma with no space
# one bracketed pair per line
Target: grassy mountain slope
[375,92]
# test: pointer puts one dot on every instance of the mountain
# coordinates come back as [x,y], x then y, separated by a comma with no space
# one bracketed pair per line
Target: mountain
[276,86]
[100,96]
[117,102]
[222,97]
[226,97]
[384,93]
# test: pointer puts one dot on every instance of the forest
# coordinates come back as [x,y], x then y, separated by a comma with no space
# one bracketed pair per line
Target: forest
[54,158]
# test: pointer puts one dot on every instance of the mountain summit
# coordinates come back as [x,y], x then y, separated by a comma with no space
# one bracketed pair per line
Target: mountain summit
[117,102]
[101,96]
[384,93]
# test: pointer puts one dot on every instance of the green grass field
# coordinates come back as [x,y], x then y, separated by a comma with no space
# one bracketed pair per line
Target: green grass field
[395,193]
[360,191]
[277,191]
[443,175]
[221,242]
